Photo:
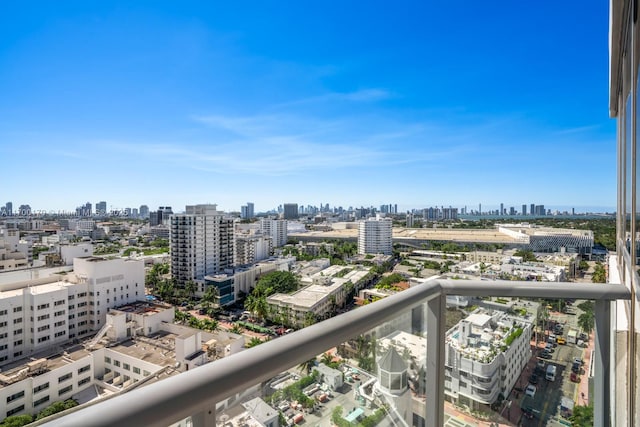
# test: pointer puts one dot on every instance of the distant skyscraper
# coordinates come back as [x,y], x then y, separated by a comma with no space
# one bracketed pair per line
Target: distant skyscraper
[374,236]
[524,210]
[101,208]
[134,212]
[409,220]
[247,211]
[9,208]
[84,210]
[24,210]
[532,209]
[290,211]
[201,243]
[161,216]
[144,211]
[502,209]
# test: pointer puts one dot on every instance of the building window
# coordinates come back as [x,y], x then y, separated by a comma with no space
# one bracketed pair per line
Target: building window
[43,306]
[84,369]
[136,370]
[17,343]
[17,309]
[43,339]
[59,302]
[84,381]
[107,359]
[43,317]
[15,396]
[116,363]
[59,313]
[3,312]
[65,377]
[126,366]
[41,401]
[17,354]
[3,324]
[61,333]
[40,388]
[43,328]
[15,410]
[18,320]
[67,389]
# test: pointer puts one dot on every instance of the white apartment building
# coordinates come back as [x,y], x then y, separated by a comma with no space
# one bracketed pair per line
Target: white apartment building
[251,248]
[37,318]
[485,354]
[201,243]
[277,229]
[374,236]
[140,343]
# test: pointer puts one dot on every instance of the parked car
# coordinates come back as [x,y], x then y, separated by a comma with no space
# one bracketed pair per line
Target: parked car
[561,341]
[533,379]
[545,354]
[530,390]
[575,378]
[528,413]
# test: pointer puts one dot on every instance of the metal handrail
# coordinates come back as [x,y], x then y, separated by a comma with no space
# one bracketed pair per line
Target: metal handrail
[175,398]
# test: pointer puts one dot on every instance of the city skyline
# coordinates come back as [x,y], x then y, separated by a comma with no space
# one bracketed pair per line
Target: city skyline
[214,104]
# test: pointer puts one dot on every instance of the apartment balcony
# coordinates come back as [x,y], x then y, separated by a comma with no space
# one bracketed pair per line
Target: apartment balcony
[203,394]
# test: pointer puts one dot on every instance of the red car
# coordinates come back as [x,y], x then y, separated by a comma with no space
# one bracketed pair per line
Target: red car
[575,378]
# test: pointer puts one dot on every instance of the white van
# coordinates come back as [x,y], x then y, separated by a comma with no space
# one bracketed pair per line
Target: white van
[551,373]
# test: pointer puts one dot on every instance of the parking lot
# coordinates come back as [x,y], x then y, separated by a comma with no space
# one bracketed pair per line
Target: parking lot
[545,404]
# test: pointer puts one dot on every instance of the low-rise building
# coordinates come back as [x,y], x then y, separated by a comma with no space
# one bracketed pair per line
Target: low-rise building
[484,356]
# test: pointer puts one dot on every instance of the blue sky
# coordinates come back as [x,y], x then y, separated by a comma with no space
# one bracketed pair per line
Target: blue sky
[341,102]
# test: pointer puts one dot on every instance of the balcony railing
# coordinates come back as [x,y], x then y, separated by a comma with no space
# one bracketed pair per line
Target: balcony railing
[195,393]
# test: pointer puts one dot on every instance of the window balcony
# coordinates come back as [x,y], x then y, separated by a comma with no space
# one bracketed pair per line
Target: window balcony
[400,339]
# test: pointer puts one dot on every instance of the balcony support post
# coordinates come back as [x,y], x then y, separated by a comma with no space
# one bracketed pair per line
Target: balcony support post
[602,390]
[436,312]
[205,418]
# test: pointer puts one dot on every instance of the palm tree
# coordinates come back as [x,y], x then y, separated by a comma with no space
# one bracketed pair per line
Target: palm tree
[308,365]
[327,358]
[190,288]
[237,329]
[210,325]
[586,321]
[166,289]
[254,342]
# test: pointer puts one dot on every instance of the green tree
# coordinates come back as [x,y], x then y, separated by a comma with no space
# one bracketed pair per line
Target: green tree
[599,274]
[527,256]
[55,408]
[586,321]
[237,329]
[254,341]
[190,288]
[307,365]
[582,416]
[309,319]
[17,421]
[165,289]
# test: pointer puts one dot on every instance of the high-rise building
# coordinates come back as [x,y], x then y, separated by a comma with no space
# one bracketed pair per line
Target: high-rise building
[101,208]
[144,211]
[502,211]
[24,210]
[161,216]
[277,229]
[9,208]
[532,210]
[374,236]
[84,210]
[247,211]
[524,210]
[290,211]
[201,243]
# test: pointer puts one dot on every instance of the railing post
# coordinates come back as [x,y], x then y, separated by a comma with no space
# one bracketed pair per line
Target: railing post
[601,387]
[205,418]
[436,312]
